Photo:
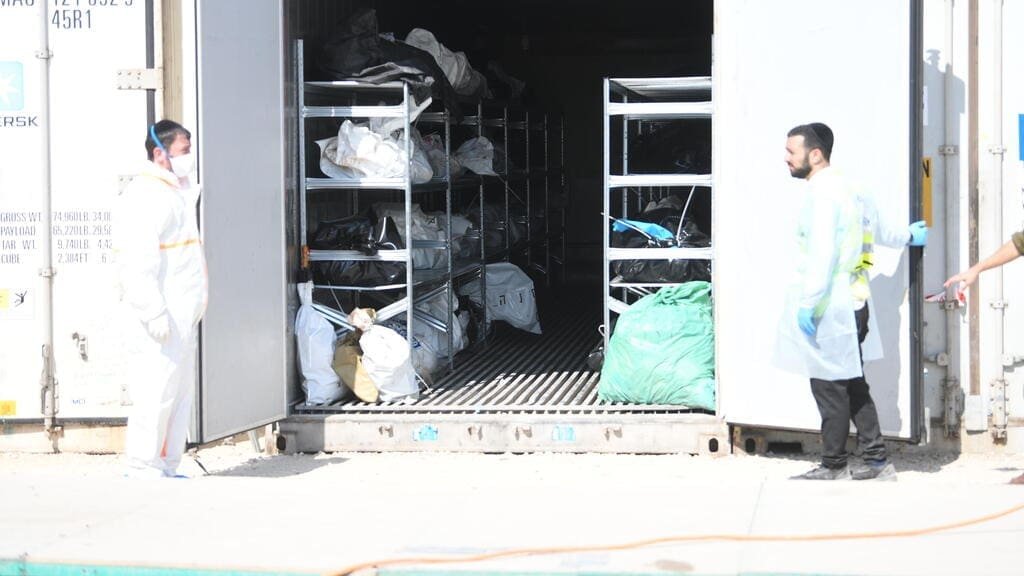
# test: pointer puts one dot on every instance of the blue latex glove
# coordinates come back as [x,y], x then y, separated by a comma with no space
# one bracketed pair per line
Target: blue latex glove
[805,318]
[918,233]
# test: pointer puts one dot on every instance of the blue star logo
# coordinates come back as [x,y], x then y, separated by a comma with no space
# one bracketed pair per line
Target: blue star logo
[12,86]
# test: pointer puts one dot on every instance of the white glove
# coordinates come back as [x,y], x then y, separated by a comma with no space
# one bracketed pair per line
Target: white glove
[159,328]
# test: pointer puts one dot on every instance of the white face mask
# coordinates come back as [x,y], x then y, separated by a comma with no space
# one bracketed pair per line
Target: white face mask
[183,165]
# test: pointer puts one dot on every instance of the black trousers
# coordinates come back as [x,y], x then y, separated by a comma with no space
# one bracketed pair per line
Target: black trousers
[839,402]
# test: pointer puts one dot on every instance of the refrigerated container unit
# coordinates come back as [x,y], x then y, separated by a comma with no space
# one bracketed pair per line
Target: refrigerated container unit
[227,70]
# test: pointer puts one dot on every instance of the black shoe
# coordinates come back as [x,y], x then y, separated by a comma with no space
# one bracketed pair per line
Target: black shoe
[825,473]
[874,470]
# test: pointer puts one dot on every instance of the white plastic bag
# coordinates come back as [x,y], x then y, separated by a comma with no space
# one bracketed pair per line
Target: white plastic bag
[392,127]
[437,339]
[387,361]
[433,145]
[424,227]
[477,155]
[315,337]
[358,151]
[460,225]
[455,65]
[424,356]
[367,152]
[510,296]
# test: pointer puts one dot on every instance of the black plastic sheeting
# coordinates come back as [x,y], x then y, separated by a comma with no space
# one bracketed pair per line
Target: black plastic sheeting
[668,271]
[355,50]
[357,233]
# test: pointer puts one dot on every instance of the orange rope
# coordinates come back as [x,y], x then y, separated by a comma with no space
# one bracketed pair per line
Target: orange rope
[670,540]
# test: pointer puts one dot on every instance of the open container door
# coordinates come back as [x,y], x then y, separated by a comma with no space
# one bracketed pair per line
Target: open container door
[242,161]
[856,67]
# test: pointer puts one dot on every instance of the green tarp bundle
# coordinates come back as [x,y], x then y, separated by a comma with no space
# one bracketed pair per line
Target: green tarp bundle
[663,350]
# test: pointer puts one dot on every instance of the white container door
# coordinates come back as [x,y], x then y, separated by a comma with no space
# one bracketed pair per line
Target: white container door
[242,164]
[98,135]
[777,65]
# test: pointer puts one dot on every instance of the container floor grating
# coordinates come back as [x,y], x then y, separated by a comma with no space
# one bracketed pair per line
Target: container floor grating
[518,373]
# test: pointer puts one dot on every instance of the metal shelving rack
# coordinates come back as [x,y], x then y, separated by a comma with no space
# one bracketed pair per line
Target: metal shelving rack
[498,118]
[642,100]
[540,127]
[536,187]
[562,257]
[419,285]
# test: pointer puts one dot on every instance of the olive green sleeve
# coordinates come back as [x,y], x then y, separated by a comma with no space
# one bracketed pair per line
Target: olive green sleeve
[1018,242]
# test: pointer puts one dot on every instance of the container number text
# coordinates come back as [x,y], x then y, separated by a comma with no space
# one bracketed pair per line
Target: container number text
[77,14]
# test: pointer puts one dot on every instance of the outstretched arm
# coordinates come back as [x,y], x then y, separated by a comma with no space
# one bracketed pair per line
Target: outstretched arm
[1006,253]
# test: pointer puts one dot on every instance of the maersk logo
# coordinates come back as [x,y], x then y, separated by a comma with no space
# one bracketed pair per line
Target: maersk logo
[12,86]
[12,97]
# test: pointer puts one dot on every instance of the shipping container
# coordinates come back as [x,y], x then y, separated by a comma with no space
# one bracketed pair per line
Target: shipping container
[924,115]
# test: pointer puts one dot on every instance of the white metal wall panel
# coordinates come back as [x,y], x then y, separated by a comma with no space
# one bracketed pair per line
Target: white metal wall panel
[779,64]
[1000,197]
[1013,196]
[242,170]
[936,61]
[98,133]
[20,204]
[1011,207]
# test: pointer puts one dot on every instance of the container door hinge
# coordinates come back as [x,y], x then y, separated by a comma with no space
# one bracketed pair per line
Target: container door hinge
[997,150]
[997,396]
[948,150]
[49,399]
[952,406]
[999,304]
[140,79]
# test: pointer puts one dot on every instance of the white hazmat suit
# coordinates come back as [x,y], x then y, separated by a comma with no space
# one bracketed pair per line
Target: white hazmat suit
[164,286]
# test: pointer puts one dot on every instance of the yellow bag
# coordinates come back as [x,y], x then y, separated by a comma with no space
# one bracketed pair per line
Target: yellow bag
[348,363]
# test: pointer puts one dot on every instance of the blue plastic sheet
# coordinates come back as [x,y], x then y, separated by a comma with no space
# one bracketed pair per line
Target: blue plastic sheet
[648,228]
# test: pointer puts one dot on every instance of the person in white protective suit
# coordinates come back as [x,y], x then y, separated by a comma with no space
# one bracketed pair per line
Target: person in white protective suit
[162,275]
[827,332]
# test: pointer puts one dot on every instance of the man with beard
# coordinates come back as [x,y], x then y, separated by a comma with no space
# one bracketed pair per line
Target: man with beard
[828,321]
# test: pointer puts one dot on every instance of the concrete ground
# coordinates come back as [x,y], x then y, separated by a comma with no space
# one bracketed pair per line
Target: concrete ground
[323,513]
